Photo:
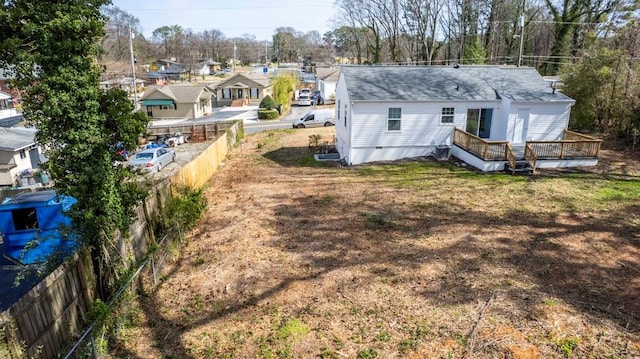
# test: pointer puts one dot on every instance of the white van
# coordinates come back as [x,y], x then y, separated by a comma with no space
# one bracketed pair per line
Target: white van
[315,118]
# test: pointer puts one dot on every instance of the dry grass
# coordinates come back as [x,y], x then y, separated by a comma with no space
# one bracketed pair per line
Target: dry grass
[297,259]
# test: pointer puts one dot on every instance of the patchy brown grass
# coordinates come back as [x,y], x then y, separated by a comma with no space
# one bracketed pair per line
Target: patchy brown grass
[298,259]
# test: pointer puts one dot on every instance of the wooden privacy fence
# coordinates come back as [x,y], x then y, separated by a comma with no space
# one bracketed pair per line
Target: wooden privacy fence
[194,131]
[49,316]
[45,321]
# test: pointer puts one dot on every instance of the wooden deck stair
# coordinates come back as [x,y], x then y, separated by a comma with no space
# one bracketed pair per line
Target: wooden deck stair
[522,167]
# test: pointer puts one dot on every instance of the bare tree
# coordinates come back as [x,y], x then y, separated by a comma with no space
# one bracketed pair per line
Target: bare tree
[422,18]
[119,23]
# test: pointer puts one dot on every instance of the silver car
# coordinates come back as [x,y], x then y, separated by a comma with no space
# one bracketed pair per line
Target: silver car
[304,100]
[153,159]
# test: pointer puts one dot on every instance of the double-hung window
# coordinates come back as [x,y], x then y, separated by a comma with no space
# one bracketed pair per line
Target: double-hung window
[394,119]
[447,115]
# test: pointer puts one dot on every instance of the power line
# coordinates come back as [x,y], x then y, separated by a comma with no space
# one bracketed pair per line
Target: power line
[222,8]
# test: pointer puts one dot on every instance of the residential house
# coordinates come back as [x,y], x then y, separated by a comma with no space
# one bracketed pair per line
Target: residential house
[157,78]
[205,67]
[326,81]
[177,101]
[123,83]
[199,69]
[163,64]
[9,116]
[243,89]
[490,117]
[19,156]
[214,66]
[175,72]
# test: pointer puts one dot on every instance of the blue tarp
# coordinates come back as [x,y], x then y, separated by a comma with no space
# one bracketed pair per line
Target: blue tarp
[33,226]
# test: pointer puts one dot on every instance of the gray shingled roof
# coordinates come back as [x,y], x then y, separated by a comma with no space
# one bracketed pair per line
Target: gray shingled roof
[328,74]
[179,93]
[247,79]
[440,83]
[16,138]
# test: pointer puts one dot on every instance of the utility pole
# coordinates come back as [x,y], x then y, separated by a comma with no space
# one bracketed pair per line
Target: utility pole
[521,23]
[234,57]
[266,53]
[133,70]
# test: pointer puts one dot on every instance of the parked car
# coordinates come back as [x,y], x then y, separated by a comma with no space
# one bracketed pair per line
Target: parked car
[304,100]
[153,159]
[305,91]
[315,118]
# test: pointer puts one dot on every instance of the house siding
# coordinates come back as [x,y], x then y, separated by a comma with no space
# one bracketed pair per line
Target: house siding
[184,110]
[9,176]
[421,129]
[548,122]
[343,118]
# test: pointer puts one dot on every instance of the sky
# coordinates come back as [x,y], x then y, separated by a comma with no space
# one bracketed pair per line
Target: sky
[234,18]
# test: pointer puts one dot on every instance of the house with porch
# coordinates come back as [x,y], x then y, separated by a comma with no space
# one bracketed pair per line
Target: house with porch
[179,101]
[493,118]
[19,156]
[243,89]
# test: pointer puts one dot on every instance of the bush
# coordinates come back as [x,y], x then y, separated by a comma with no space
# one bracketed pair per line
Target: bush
[268,114]
[267,103]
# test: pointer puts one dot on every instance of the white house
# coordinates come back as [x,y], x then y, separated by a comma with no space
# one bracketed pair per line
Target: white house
[326,81]
[9,116]
[488,116]
[19,154]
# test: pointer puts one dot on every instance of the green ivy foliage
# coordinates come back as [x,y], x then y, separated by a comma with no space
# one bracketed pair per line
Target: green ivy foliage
[52,48]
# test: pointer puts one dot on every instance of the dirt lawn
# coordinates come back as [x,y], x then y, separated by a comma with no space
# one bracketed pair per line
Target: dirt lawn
[299,259]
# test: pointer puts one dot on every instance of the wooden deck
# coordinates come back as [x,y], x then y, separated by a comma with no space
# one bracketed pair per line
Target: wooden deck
[573,146]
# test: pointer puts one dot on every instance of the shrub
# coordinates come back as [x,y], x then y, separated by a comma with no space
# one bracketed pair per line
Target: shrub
[268,114]
[267,103]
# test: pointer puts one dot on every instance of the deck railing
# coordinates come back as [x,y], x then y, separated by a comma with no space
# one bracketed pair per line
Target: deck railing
[573,145]
[511,158]
[486,150]
[530,156]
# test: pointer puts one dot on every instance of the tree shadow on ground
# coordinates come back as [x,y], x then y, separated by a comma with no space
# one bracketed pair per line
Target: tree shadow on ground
[589,262]
[536,246]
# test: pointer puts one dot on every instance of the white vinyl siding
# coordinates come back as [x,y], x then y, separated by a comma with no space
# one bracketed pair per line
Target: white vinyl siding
[547,123]
[420,126]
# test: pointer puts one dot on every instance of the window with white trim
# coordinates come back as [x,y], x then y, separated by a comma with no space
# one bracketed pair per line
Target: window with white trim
[447,115]
[394,119]
[226,93]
